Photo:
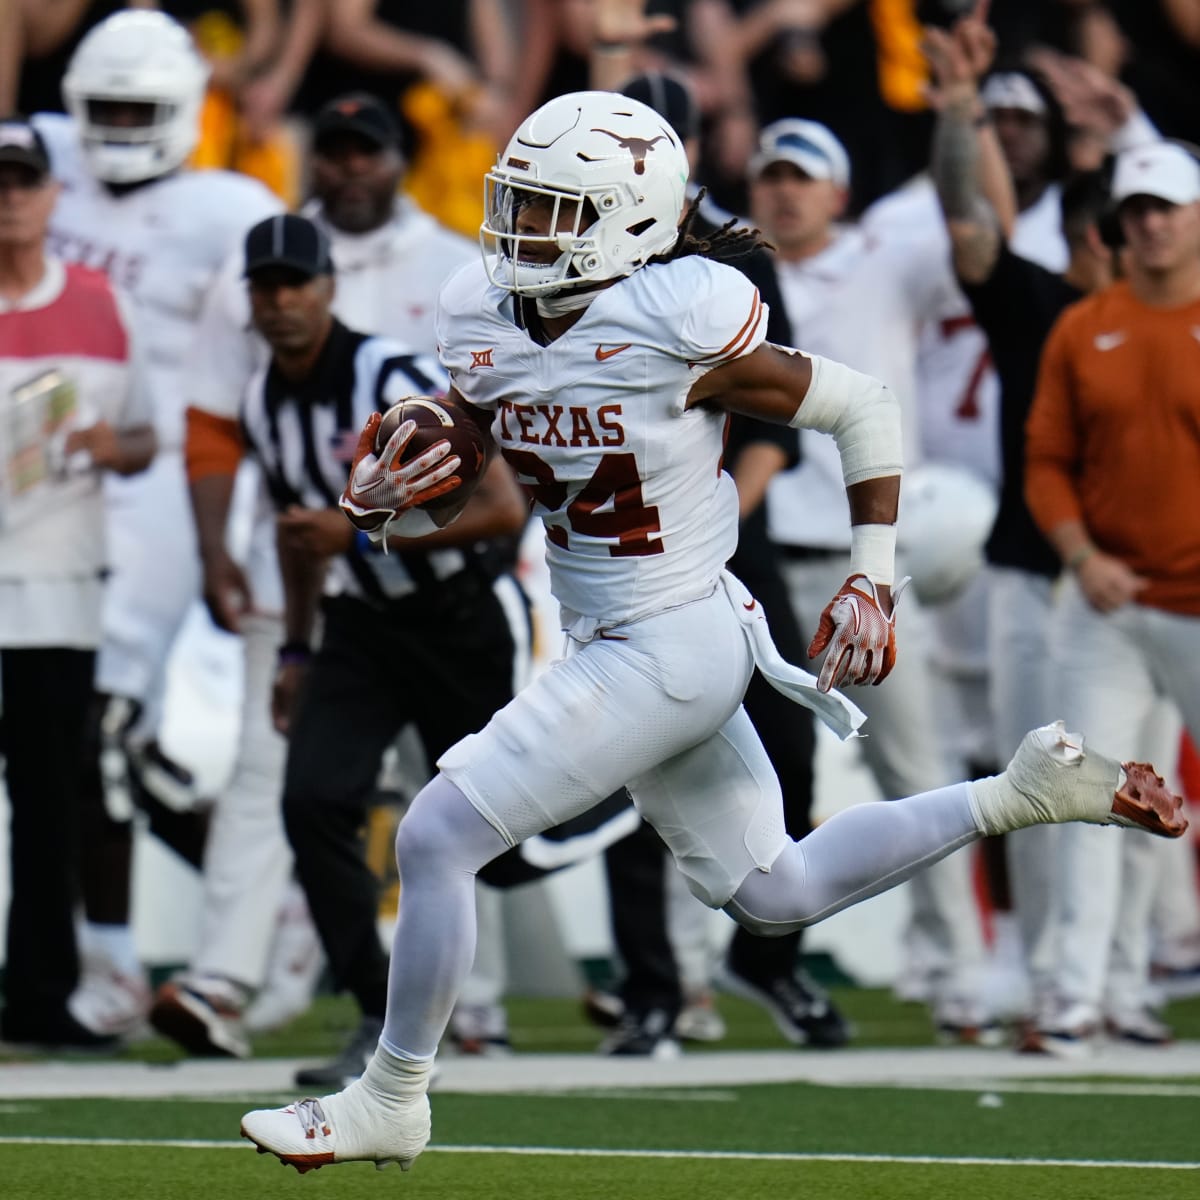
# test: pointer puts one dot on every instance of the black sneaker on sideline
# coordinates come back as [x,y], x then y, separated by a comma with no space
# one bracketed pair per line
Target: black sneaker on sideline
[802,1011]
[349,1064]
[51,1031]
[643,1035]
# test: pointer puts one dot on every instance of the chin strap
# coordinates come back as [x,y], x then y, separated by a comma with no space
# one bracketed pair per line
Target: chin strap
[561,303]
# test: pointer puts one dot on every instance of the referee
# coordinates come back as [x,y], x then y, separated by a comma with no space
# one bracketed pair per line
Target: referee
[432,635]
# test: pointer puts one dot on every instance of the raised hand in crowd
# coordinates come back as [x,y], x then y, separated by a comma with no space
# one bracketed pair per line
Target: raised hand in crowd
[1095,104]
[958,58]
[622,22]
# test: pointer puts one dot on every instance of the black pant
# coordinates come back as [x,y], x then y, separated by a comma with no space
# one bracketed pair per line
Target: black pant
[636,866]
[443,661]
[46,696]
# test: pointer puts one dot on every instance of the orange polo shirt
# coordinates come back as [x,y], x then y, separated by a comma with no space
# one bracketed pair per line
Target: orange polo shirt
[1113,438]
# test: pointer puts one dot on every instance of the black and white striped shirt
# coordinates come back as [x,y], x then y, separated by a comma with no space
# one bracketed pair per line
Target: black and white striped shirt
[304,434]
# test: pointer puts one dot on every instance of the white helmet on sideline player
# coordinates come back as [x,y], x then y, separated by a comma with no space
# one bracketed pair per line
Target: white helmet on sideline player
[613,152]
[946,515]
[143,58]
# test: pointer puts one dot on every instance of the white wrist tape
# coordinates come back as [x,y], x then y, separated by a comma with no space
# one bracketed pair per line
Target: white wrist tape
[873,552]
[862,414]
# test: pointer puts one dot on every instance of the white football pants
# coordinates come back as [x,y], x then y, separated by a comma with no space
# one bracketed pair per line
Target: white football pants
[1112,671]
[1021,604]
[247,860]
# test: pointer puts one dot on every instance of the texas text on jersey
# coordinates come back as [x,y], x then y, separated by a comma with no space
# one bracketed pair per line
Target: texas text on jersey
[627,480]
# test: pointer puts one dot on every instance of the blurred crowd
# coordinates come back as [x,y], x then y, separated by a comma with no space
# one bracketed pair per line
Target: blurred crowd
[896,154]
[461,75]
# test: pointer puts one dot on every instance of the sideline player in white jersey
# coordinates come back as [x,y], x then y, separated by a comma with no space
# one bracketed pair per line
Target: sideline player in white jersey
[602,351]
[161,233]
[835,279]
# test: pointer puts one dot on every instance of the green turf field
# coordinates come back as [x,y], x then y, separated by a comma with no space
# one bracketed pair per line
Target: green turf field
[1018,1140]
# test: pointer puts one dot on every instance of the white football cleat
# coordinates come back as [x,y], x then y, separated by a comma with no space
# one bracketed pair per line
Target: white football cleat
[344,1127]
[1052,778]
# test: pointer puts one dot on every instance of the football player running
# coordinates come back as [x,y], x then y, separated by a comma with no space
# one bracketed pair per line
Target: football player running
[133,89]
[602,349]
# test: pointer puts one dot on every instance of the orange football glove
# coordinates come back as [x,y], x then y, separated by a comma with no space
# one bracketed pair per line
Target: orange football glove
[860,640]
[377,493]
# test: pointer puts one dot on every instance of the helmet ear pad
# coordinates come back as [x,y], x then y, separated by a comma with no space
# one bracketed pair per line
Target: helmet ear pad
[617,161]
[140,57]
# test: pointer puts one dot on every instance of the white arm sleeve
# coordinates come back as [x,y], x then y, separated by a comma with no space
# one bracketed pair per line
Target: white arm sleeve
[862,415]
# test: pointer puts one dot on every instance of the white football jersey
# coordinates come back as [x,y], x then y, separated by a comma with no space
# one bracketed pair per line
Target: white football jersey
[639,515]
[162,243]
[957,388]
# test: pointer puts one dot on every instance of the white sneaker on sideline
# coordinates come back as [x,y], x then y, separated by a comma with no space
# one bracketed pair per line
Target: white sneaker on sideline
[1071,1031]
[203,1015]
[109,1002]
[1139,1027]
[699,1020]
[347,1126]
[480,1029]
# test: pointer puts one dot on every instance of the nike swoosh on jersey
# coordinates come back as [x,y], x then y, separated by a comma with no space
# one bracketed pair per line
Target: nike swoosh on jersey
[602,354]
[1109,341]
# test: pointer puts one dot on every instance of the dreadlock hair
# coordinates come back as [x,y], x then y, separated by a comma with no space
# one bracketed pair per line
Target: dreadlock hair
[723,244]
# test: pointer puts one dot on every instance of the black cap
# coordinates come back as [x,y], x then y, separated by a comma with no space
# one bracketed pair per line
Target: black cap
[670,97]
[21,143]
[288,240]
[360,113]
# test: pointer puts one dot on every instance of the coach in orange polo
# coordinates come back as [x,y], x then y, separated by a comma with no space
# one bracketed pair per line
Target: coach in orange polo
[1113,480]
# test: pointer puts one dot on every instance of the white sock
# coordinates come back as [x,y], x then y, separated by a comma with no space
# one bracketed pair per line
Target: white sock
[1051,779]
[113,943]
[392,1074]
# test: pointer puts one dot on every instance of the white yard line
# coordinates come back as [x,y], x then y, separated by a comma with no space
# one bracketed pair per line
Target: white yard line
[965,1067]
[707,1155]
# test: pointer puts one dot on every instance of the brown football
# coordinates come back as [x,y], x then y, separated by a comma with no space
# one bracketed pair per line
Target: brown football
[438,419]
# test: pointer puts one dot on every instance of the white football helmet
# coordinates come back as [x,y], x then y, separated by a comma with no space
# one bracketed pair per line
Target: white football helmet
[946,515]
[139,57]
[612,164]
